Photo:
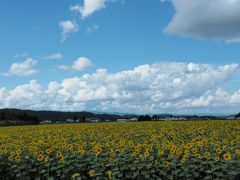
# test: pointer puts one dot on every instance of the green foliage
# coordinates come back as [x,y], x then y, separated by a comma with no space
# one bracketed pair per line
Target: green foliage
[142,150]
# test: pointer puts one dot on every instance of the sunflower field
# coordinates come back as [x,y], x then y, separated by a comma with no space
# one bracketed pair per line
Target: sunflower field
[134,150]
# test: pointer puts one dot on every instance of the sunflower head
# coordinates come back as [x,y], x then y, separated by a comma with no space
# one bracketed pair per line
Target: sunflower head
[91,173]
[227,157]
[165,164]
[40,157]
[207,154]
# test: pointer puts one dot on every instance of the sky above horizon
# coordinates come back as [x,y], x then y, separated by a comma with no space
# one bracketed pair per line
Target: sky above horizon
[129,56]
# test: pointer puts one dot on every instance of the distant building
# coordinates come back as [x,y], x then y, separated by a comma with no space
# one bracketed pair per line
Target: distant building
[179,119]
[69,121]
[46,122]
[122,120]
[133,119]
[230,117]
[172,119]
[78,120]
[59,122]
[92,120]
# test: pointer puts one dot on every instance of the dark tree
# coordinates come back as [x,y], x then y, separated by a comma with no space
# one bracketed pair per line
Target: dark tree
[83,119]
[237,116]
[75,118]
[141,118]
[155,117]
[144,118]
[148,118]
[3,116]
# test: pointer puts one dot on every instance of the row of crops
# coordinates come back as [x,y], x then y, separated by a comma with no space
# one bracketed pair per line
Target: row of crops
[137,150]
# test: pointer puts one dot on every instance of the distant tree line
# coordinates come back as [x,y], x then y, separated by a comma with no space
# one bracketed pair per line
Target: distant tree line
[17,117]
[144,118]
[237,116]
[157,117]
[25,117]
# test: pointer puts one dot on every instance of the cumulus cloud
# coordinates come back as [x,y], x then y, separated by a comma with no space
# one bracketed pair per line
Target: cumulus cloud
[25,68]
[216,19]
[20,55]
[64,67]
[151,88]
[80,64]
[68,27]
[54,56]
[89,7]
[92,28]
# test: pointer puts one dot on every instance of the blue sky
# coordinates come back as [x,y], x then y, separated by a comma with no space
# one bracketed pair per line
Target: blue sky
[51,42]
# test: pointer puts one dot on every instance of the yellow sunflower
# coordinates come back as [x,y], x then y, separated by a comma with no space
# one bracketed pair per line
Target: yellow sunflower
[165,164]
[146,153]
[227,157]
[91,173]
[207,154]
[238,152]
[75,175]
[109,174]
[17,158]
[59,154]
[40,157]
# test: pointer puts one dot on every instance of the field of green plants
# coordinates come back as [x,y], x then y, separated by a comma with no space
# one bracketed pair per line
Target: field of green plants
[137,150]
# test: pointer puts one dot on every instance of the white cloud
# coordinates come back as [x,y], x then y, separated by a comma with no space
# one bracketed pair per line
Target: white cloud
[54,56]
[89,7]
[151,88]
[25,68]
[92,28]
[80,64]
[20,55]
[68,27]
[216,19]
[27,95]
[64,67]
